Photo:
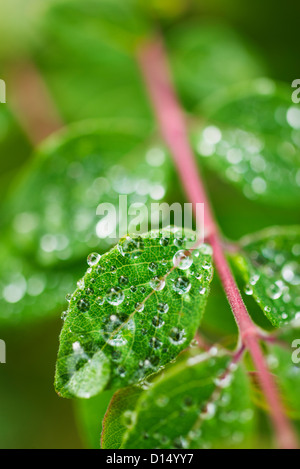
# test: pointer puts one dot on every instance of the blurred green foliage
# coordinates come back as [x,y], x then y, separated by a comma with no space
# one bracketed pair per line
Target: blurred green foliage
[84,51]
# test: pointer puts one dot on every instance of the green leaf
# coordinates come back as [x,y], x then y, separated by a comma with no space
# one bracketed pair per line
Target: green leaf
[118,416]
[72,41]
[47,237]
[13,144]
[199,403]
[18,22]
[269,264]
[113,21]
[207,57]
[284,361]
[134,310]
[73,173]
[29,292]
[252,140]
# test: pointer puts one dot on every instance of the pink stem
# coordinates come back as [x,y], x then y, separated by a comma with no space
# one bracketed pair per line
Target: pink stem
[171,119]
[32,103]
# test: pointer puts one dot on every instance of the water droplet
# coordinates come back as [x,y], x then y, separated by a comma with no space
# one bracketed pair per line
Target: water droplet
[139,307]
[93,259]
[153,266]
[123,280]
[209,411]
[164,242]
[182,260]
[248,290]
[157,321]
[83,305]
[114,296]
[129,418]
[254,279]
[162,307]
[81,284]
[100,300]
[64,315]
[275,290]
[132,247]
[121,372]
[180,443]
[100,269]
[155,343]
[157,284]
[182,285]
[177,336]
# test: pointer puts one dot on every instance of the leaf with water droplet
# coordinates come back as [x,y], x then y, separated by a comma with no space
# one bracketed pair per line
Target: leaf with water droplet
[200,402]
[269,262]
[252,140]
[285,356]
[283,359]
[142,325]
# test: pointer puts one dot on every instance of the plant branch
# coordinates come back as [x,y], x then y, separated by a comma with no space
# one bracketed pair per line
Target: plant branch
[31,103]
[154,66]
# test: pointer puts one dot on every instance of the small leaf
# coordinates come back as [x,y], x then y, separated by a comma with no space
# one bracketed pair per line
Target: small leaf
[269,262]
[136,307]
[200,403]
[252,140]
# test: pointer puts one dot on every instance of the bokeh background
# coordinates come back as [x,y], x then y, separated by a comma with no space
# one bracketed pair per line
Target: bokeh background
[90,74]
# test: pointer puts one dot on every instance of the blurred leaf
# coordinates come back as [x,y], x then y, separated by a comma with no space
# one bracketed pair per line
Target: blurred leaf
[73,173]
[28,292]
[18,22]
[90,413]
[133,312]
[207,57]
[199,403]
[113,21]
[87,74]
[252,140]
[14,149]
[269,264]
[50,221]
